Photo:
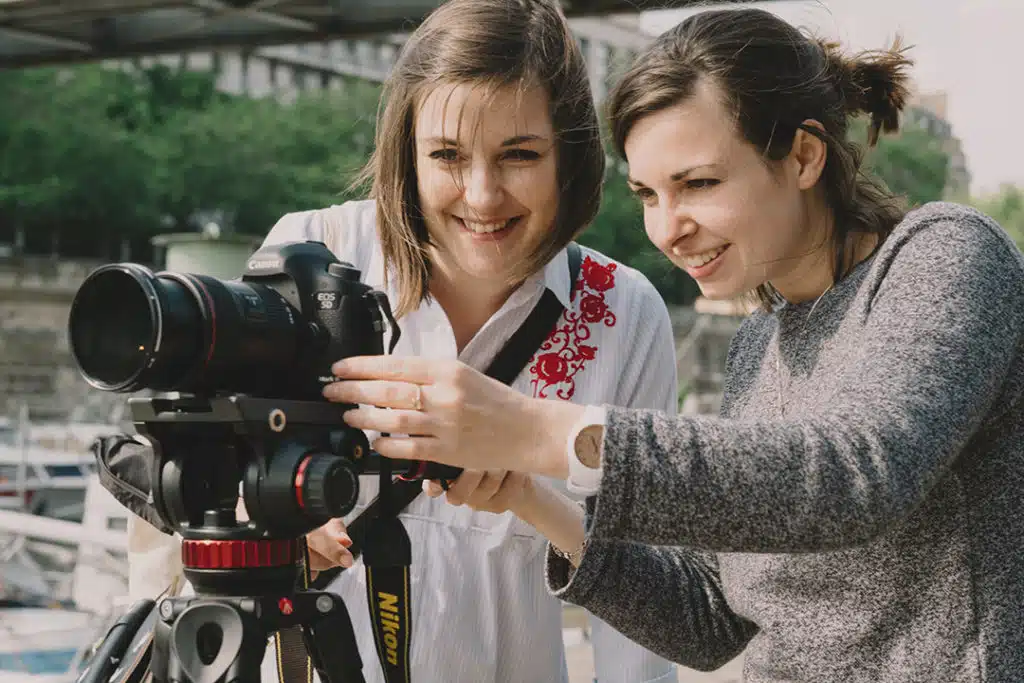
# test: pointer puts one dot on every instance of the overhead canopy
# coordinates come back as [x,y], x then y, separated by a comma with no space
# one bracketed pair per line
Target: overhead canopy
[35,32]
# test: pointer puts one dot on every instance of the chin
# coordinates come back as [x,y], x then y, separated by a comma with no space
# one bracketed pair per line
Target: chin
[720,291]
[482,268]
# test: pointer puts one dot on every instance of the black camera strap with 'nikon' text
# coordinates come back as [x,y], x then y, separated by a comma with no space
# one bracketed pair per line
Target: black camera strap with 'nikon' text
[379,535]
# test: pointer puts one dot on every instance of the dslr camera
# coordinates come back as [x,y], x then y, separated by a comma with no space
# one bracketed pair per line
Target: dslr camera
[245,361]
[235,372]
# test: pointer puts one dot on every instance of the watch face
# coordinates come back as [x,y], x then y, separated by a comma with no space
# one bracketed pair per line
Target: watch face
[588,446]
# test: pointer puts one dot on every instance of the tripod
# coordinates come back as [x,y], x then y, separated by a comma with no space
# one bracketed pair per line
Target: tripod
[297,469]
[223,639]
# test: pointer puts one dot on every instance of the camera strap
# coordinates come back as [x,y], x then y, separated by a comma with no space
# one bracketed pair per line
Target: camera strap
[379,535]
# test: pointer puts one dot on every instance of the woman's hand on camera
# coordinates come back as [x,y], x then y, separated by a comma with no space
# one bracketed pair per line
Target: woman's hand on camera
[328,546]
[486,490]
[453,415]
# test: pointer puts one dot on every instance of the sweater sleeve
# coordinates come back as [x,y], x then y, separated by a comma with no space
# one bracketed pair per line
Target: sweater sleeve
[667,599]
[942,326]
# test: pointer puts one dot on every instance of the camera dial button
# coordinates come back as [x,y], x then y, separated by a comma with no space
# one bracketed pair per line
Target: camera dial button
[346,271]
[330,486]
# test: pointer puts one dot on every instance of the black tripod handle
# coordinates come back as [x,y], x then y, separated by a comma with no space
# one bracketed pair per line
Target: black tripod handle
[114,645]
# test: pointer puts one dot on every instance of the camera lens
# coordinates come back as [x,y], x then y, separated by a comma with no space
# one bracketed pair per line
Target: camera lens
[131,329]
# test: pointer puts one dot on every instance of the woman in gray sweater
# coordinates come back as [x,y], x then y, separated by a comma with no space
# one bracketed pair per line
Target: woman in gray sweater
[856,513]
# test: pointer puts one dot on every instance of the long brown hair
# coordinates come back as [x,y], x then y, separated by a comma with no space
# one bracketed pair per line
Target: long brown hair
[774,78]
[495,43]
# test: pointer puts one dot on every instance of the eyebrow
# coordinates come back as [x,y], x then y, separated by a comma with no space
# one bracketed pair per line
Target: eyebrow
[675,177]
[510,142]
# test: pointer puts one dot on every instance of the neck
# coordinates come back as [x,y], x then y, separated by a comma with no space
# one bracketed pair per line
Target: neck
[813,271]
[468,302]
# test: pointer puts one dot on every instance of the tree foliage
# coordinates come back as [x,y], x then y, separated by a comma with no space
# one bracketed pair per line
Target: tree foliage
[91,157]
[912,164]
[1007,207]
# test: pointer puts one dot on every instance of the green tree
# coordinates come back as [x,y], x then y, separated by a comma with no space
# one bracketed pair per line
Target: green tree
[93,156]
[912,164]
[1007,207]
[68,172]
[258,159]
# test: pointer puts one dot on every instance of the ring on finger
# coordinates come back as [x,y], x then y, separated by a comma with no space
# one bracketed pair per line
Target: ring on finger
[417,401]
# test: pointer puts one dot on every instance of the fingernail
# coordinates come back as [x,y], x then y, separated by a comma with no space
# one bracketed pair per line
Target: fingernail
[346,561]
[345,541]
[338,367]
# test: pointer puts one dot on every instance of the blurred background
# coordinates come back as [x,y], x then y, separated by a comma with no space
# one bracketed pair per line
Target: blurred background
[133,128]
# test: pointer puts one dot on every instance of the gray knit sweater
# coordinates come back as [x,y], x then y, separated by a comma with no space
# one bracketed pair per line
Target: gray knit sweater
[860,514]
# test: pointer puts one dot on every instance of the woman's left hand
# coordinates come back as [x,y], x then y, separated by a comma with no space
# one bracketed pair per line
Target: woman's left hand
[452,414]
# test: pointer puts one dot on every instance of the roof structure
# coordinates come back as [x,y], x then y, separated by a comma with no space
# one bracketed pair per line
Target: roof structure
[38,32]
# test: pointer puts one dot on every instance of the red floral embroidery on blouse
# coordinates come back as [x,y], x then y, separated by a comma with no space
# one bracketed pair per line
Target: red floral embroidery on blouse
[564,354]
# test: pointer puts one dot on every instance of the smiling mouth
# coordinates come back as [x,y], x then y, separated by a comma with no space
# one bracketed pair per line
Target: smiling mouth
[489,228]
[704,258]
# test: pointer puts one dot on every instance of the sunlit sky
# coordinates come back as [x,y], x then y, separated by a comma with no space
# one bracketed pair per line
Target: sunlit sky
[972,49]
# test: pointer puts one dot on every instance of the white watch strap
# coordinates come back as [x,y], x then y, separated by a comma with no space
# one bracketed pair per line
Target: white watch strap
[583,480]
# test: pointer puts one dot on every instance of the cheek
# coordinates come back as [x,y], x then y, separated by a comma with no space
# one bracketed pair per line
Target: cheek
[535,188]
[437,188]
[653,227]
[752,218]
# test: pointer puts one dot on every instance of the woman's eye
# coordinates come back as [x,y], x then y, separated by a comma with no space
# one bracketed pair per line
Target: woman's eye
[645,195]
[701,183]
[522,155]
[447,154]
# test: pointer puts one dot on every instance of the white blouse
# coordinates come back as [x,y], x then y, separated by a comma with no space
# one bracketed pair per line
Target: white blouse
[480,608]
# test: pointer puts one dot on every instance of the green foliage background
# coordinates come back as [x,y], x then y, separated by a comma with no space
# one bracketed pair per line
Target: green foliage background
[93,159]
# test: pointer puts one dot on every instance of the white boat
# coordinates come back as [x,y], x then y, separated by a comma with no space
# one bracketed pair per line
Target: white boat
[44,645]
[44,467]
[47,643]
[63,569]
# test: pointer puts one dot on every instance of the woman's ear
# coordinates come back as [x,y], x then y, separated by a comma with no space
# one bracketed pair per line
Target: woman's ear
[809,153]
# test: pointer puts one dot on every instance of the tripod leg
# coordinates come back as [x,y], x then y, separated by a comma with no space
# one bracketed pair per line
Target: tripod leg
[330,638]
[213,641]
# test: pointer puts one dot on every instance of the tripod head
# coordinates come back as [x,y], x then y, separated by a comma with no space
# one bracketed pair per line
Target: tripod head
[297,465]
[294,462]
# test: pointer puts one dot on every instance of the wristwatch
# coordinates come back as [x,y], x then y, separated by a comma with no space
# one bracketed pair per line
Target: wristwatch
[584,451]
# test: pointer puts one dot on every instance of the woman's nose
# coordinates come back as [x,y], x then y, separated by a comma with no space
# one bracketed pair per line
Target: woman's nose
[483,189]
[669,225]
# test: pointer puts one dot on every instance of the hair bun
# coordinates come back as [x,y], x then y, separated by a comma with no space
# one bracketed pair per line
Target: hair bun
[874,82]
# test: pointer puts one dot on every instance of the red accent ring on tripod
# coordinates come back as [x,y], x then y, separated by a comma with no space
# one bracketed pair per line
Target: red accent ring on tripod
[300,479]
[238,554]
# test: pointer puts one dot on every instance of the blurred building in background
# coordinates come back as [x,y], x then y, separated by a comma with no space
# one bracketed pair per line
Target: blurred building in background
[609,44]
[928,111]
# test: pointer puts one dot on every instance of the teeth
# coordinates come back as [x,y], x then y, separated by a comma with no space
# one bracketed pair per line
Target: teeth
[484,228]
[700,259]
